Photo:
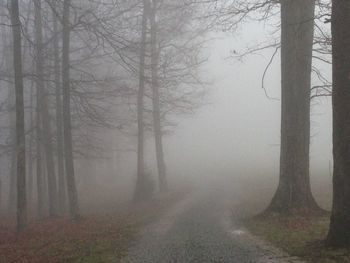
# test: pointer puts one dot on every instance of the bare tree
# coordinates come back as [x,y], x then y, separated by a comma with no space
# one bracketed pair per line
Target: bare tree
[296,45]
[30,159]
[294,190]
[140,191]
[20,129]
[59,129]
[163,184]
[43,96]
[13,169]
[39,161]
[67,126]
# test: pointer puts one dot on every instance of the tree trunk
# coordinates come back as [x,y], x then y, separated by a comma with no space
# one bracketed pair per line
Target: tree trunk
[39,157]
[294,191]
[140,192]
[58,94]
[1,199]
[11,206]
[67,126]
[163,184]
[39,171]
[51,177]
[20,128]
[339,233]
[30,150]
[7,50]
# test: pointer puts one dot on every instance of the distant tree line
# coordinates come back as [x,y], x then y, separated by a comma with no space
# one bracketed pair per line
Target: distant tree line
[72,68]
[56,89]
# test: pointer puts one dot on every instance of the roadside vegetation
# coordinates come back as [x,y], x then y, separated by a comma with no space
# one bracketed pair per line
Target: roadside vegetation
[102,237]
[301,236]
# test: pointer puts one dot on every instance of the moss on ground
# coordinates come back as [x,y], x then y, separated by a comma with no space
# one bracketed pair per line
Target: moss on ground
[299,236]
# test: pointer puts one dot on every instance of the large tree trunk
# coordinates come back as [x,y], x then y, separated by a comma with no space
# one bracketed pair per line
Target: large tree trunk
[67,125]
[294,191]
[163,184]
[59,119]
[339,233]
[20,128]
[51,177]
[140,192]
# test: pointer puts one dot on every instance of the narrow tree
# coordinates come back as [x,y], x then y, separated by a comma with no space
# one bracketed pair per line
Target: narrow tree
[163,184]
[140,192]
[20,129]
[339,233]
[40,184]
[7,51]
[30,158]
[43,96]
[58,95]
[39,163]
[67,125]
[294,191]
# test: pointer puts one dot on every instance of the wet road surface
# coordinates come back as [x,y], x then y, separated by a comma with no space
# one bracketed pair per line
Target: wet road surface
[200,230]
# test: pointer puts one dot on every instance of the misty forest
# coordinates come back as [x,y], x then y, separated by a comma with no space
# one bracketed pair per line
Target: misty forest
[175,131]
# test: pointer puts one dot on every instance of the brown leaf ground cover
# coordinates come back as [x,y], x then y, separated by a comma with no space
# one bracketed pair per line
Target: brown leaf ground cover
[103,237]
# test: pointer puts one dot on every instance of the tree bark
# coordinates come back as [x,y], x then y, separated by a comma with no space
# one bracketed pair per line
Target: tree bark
[47,134]
[294,190]
[39,170]
[59,119]
[39,157]
[67,125]
[11,204]
[11,97]
[163,184]
[30,150]
[1,199]
[139,193]
[20,124]
[339,233]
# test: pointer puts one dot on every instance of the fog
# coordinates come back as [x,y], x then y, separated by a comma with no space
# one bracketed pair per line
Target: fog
[234,136]
[238,132]
[155,131]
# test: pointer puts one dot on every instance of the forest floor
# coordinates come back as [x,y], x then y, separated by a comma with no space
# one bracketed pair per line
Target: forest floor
[102,237]
[299,236]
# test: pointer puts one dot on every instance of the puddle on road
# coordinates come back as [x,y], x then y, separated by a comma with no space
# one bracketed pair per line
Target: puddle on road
[238,232]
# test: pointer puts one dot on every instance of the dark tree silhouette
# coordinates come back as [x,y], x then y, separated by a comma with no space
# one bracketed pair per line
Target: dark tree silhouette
[163,184]
[140,190]
[339,233]
[20,129]
[67,126]
[297,27]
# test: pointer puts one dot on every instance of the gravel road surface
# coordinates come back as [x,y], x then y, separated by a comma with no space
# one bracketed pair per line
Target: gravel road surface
[199,229]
